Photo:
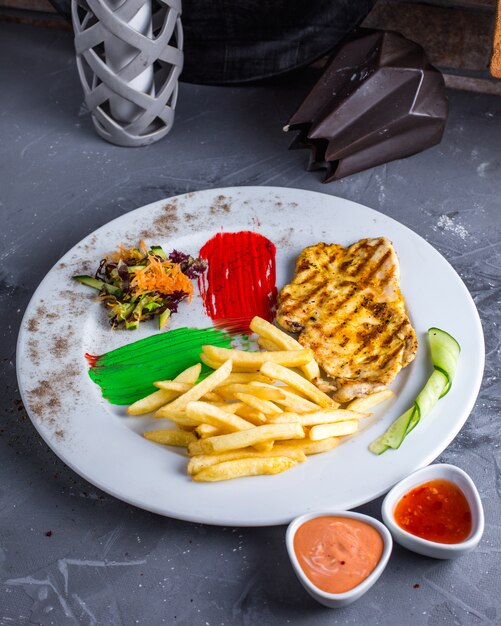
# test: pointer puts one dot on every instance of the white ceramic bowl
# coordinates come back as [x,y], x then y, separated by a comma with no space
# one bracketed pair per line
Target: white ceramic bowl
[337,600]
[432,548]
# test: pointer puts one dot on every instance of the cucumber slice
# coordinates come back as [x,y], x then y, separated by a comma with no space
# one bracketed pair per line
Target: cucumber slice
[427,398]
[112,290]
[163,318]
[95,283]
[395,434]
[158,250]
[377,446]
[445,352]
[393,437]
[90,281]
[431,392]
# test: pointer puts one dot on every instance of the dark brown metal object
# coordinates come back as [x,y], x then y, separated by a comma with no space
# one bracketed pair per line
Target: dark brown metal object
[377,100]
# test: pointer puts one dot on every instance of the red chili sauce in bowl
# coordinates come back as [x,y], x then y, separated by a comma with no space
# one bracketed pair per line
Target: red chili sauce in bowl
[337,553]
[437,511]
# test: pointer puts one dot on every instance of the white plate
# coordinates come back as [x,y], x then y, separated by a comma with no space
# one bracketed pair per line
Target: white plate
[100,443]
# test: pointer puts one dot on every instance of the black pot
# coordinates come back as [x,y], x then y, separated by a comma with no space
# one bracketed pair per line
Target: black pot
[233,41]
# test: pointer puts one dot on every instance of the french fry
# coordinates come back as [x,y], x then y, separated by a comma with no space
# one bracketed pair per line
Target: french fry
[366,403]
[279,372]
[284,389]
[273,394]
[152,402]
[292,390]
[340,429]
[263,406]
[198,391]
[306,445]
[324,416]
[244,467]
[245,438]
[206,430]
[190,375]
[215,364]
[254,360]
[182,421]
[158,398]
[268,345]
[229,408]
[212,363]
[264,446]
[267,385]
[264,391]
[269,332]
[171,437]
[226,393]
[296,403]
[240,422]
[202,461]
[212,396]
[251,415]
[244,378]
[205,413]
[170,385]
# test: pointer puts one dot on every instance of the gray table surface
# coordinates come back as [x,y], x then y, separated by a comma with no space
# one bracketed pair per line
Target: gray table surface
[106,562]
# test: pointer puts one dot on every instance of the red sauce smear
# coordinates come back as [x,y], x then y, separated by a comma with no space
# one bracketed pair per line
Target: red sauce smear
[92,359]
[437,511]
[240,280]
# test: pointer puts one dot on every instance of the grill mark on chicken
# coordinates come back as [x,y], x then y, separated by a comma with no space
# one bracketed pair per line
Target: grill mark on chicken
[366,259]
[367,339]
[314,269]
[347,305]
[391,356]
[317,294]
[366,278]
[391,337]
[350,300]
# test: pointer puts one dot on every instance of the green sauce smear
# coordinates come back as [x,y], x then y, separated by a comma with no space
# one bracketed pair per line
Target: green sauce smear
[127,374]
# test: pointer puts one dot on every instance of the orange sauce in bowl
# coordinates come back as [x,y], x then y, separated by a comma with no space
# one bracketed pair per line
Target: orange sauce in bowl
[437,511]
[337,553]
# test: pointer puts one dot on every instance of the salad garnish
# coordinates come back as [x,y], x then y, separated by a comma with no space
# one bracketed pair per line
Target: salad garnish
[137,284]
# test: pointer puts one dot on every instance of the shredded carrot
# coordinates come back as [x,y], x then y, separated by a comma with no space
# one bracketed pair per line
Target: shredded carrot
[126,253]
[162,276]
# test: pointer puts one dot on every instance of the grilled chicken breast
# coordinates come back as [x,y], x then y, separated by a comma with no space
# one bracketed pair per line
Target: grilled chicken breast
[347,306]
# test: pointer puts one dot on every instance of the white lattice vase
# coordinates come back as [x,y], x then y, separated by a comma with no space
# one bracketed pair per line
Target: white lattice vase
[129,57]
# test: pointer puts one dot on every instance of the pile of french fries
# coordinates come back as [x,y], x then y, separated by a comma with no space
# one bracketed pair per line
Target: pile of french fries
[256,413]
